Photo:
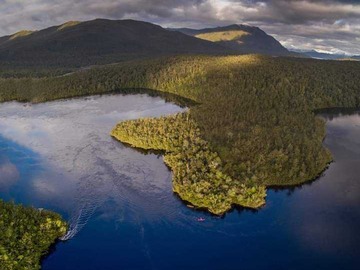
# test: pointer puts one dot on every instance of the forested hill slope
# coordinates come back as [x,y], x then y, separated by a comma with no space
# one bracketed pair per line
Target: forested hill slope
[243,39]
[100,41]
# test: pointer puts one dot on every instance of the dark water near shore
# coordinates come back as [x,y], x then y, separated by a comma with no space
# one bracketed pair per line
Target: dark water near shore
[60,156]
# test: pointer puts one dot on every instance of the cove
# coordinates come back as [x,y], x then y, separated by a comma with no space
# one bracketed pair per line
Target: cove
[59,155]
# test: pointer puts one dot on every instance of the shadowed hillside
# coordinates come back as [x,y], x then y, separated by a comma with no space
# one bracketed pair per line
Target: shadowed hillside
[76,44]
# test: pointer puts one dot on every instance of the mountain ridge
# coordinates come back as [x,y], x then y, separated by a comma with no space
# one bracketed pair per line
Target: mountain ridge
[91,42]
[76,44]
[244,39]
[328,56]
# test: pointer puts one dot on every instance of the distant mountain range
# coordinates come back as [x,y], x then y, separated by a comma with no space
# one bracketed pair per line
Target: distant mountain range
[243,39]
[103,41]
[328,56]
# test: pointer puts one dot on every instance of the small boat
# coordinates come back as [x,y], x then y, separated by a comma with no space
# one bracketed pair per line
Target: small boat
[200,219]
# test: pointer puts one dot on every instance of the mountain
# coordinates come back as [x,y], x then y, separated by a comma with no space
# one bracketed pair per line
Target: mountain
[97,42]
[328,56]
[319,55]
[243,39]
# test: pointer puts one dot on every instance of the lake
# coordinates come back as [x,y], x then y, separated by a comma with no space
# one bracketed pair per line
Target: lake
[124,215]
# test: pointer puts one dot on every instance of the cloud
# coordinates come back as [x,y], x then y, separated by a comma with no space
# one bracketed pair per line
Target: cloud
[293,22]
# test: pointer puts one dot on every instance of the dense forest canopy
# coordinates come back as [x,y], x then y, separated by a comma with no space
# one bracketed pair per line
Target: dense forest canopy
[255,113]
[198,175]
[26,235]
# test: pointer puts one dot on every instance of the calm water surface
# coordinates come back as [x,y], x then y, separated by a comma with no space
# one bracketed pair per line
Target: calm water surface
[60,156]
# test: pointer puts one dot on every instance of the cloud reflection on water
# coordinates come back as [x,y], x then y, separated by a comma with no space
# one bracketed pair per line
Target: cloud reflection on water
[82,162]
[9,174]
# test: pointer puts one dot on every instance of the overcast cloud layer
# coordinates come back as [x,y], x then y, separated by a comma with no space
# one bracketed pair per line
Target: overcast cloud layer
[327,25]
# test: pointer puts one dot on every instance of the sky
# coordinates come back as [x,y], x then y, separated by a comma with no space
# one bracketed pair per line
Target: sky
[325,25]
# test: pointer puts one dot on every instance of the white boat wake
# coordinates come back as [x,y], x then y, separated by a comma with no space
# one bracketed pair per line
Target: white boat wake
[80,218]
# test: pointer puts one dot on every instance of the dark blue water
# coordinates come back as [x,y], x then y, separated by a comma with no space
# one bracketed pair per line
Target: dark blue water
[59,156]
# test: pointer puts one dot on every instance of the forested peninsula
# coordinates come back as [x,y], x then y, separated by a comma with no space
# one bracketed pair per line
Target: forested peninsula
[253,125]
[26,234]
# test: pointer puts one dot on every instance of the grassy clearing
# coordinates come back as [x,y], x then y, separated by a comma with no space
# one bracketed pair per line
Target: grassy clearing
[223,35]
